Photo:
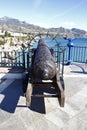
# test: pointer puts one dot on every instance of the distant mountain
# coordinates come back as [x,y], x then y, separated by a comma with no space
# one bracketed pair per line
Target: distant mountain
[15,25]
[74,32]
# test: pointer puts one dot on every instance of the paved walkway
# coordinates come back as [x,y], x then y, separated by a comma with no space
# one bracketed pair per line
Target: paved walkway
[46,114]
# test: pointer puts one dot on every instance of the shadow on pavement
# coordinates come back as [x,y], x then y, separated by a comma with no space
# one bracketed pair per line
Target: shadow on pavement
[79,72]
[82,68]
[38,103]
[12,94]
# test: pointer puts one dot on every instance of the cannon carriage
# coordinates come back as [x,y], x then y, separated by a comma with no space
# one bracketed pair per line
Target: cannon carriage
[44,73]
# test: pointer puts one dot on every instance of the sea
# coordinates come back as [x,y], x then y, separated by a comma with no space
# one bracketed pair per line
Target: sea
[78,51]
[51,42]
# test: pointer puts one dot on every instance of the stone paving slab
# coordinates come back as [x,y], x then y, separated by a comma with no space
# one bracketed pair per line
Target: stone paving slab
[12,70]
[75,124]
[5,84]
[12,76]
[12,73]
[46,113]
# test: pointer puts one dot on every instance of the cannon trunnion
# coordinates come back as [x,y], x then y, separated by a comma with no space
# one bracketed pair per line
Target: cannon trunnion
[44,73]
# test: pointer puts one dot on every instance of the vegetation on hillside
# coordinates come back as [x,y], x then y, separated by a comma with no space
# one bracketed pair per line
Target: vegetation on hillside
[15,25]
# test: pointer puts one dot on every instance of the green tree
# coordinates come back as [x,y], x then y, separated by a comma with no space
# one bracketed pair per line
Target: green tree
[2,42]
[7,34]
[11,42]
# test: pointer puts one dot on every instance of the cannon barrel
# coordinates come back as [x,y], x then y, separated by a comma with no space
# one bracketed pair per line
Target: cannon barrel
[44,66]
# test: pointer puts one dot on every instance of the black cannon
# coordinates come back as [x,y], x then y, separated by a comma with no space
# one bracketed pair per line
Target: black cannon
[43,69]
[44,66]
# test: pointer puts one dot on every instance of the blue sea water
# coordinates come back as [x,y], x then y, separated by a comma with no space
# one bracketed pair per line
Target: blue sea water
[78,52]
[50,42]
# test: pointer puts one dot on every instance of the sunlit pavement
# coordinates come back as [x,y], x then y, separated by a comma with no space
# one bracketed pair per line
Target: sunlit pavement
[46,114]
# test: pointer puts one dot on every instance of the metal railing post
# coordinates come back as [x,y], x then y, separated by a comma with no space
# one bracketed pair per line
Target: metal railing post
[23,58]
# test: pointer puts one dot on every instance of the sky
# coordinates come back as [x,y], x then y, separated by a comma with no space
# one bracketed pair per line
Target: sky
[47,13]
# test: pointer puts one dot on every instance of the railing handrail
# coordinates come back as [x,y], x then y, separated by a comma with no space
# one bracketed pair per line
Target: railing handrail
[23,58]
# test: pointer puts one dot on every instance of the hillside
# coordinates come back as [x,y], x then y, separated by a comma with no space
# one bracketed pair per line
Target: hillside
[15,25]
